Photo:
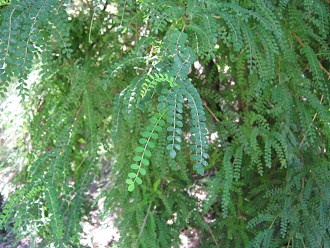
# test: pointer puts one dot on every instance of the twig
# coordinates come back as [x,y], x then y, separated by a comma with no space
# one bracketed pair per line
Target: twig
[303,45]
[74,120]
[273,222]
[314,117]
[142,227]
[90,27]
[215,241]
[208,109]
[323,69]
[289,243]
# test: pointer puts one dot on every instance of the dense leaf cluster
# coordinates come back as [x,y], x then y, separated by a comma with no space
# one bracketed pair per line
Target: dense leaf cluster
[162,101]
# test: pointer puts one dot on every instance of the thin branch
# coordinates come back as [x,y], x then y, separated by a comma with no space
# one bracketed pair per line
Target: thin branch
[303,45]
[314,117]
[142,227]
[215,241]
[273,222]
[213,115]
[90,27]
[289,242]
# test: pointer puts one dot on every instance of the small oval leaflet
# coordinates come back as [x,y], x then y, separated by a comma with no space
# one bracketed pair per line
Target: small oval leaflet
[129,181]
[161,106]
[200,171]
[150,128]
[170,129]
[158,128]
[205,155]
[165,91]
[172,154]
[137,158]
[130,187]
[178,131]
[142,141]
[138,180]
[151,144]
[145,161]
[135,166]
[139,149]
[145,134]
[161,123]
[143,171]
[179,123]
[169,147]
[177,146]
[131,175]
[154,135]
[147,153]
[162,98]
[153,120]
[170,119]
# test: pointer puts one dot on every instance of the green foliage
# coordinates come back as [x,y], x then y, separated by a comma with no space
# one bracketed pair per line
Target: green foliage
[147,142]
[4,2]
[174,99]
[24,28]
